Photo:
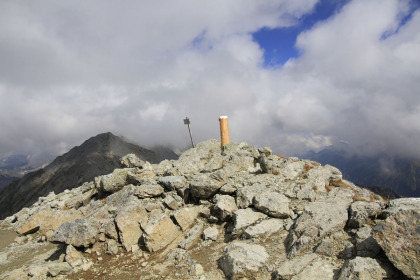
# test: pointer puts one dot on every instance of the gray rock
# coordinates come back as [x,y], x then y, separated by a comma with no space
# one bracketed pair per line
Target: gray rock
[361,212]
[319,219]
[173,201]
[263,229]
[186,217]
[224,207]
[210,233]
[364,269]
[320,269]
[242,260]
[244,218]
[401,204]
[273,204]
[73,257]
[325,248]
[172,183]
[111,247]
[127,221]
[159,232]
[293,266]
[204,186]
[79,233]
[192,236]
[113,182]
[366,245]
[245,195]
[59,268]
[131,160]
[146,191]
[399,237]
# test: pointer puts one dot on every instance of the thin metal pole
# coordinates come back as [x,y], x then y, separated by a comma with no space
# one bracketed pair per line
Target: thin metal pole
[189,129]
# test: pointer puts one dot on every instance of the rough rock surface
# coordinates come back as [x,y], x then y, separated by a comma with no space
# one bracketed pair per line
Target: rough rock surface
[399,236]
[216,213]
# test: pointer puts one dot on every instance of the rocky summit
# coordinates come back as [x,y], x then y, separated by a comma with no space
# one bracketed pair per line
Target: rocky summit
[235,212]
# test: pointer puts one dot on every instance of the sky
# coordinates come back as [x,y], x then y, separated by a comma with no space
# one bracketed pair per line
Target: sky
[292,75]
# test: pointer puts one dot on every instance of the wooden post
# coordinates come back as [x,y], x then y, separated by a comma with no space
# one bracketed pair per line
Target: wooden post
[224,130]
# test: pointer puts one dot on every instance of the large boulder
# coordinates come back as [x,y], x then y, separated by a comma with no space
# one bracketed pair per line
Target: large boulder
[273,204]
[172,183]
[241,260]
[399,237]
[113,182]
[361,212]
[224,207]
[159,232]
[361,268]
[127,221]
[319,219]
[205,185]
[244,218]
[79,233]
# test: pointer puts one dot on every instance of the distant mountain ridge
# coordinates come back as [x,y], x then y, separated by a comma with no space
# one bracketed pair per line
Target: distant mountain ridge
[96,156]
[380,174]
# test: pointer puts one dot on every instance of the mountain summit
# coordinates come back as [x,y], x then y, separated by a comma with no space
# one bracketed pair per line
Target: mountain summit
[96,156]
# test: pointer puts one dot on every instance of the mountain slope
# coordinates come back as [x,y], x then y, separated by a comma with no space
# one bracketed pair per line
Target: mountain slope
[400,175]
[96,156]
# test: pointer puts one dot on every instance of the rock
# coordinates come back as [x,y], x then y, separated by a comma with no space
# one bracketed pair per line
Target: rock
[159,232]
[263,229]
[364,268]
[111,247]
[245,195]
[172,183]
[192,236]
[131,160]
[79,233]
[173,201]
[61,268]
[242,260]
[146,191]
[325,248]
[47,220]
[73,257]
[224,207]
[244,218]
[318,220]
[361,212]
[138,176]
[186,217]
[273,204]
[399,237]
[204,186]
[113,182]
[210,233]
[197,269]
[294,266]
[127,221]
[80,200]
[320,269]
[401,204]
[366,245]
[266,151]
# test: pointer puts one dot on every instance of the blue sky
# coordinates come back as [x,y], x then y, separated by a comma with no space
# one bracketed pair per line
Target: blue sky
[73,69]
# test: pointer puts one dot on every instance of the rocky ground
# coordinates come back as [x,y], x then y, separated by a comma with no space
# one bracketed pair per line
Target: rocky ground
[236,213]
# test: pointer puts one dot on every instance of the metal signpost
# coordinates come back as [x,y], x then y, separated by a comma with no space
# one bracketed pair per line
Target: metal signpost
[187,122]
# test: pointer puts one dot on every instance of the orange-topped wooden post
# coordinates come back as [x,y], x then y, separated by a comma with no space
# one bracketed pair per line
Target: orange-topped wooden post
[224,130]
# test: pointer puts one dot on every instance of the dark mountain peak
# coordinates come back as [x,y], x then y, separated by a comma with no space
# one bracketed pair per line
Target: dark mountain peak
[98,155]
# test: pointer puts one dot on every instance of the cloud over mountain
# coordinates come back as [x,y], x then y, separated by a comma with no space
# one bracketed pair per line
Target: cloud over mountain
[72,69]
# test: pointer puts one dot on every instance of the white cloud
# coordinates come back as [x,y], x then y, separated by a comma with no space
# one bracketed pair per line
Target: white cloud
[73,69]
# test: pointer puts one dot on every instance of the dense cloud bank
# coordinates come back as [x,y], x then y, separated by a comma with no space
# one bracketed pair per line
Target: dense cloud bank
[73,69]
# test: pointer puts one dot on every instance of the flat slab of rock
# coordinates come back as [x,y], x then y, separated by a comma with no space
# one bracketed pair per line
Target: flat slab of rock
[172,183]
[263,229]
[244,218]
[273,204]
[148,190]
[159,232]
[242,260]
[294,266]
[203,186]
[192,236]
[127,221]
[186,217]
[399,237]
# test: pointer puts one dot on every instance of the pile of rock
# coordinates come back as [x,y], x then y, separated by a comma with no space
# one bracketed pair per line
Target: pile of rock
[235,213]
